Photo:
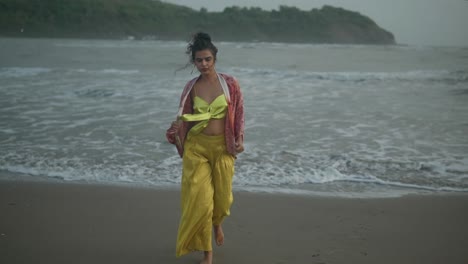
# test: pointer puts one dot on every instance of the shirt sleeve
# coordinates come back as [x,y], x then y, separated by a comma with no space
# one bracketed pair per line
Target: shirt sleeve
[239,115]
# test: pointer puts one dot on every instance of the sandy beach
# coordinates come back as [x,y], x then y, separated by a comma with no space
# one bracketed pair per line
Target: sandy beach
[82,223]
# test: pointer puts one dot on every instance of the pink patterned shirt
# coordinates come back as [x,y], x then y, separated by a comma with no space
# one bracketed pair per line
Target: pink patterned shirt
[234,125]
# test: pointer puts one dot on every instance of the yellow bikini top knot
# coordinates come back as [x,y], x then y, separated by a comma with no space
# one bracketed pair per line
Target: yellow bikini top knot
[203,112]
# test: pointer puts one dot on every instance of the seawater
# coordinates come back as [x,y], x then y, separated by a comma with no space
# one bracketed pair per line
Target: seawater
[345,120]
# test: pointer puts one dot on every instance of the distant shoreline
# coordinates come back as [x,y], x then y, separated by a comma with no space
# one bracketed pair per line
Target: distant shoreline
[146,19]
[129,38]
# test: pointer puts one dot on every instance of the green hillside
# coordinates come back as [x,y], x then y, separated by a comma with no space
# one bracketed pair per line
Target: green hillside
[159,20]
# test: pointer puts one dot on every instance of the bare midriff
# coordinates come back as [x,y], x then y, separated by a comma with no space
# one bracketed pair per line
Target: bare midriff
[215,127]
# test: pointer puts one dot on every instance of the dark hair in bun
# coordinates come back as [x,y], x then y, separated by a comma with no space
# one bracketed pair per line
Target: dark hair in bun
[200,41]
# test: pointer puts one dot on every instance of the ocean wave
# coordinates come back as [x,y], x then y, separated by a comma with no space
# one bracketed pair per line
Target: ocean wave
[18,72]
[296,168]
[284,169]
[285,45]
[106,71]
[120,44]
[75,169]
[94,93]
[458,76]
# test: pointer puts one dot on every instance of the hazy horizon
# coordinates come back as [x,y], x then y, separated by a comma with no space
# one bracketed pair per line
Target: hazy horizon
[415,22]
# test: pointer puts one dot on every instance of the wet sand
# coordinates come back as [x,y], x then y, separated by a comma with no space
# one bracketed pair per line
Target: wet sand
[83,223]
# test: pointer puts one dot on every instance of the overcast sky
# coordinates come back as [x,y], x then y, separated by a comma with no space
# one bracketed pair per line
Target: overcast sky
[416,22]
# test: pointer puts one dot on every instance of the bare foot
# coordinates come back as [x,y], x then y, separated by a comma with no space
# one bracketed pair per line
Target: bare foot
[219,235]
[208,259]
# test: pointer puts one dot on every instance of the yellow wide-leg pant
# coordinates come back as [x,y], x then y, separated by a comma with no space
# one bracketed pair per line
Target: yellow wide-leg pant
[206,191]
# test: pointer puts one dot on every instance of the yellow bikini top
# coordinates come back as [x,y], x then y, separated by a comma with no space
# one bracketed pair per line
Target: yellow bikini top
[204,111]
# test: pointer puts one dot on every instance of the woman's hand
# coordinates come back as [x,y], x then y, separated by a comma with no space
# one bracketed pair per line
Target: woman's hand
[171,133]
[175,125]
[239,147]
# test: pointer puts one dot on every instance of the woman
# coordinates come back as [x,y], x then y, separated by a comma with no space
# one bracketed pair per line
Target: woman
[208,134]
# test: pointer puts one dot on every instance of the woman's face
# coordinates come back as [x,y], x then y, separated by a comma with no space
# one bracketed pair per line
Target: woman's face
[204,61]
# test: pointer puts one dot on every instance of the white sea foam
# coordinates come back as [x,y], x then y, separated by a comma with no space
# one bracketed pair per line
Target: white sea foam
[419,75]
[116,71]
[106,71]
[7,131]
[18,72]
[274,179]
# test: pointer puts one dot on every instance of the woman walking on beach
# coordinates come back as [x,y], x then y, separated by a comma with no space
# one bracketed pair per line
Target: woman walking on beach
[208,134]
